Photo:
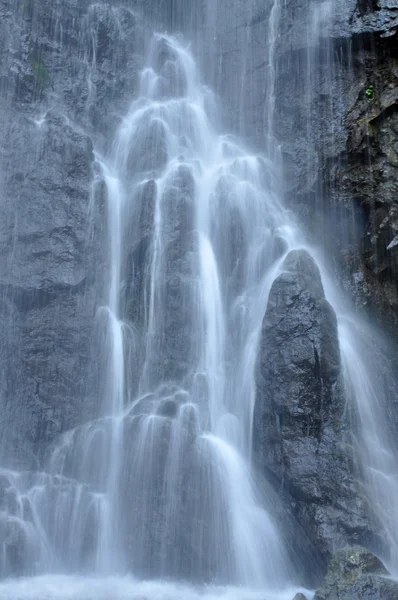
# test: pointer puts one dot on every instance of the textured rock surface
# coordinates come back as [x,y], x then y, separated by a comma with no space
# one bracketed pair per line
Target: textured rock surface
[342,169]
[63,81]
[356,573]
[338,152]
[300,433]
[338,147]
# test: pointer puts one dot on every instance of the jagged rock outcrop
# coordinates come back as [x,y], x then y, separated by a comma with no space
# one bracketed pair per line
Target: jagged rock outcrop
[356,573]
[301,436]
[367,174]
[342,169]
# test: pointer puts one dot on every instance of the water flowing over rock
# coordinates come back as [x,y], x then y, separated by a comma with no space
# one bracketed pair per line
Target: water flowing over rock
[158,482]
[190,405]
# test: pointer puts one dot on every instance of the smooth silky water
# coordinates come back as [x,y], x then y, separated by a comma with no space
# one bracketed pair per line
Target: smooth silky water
[158,490]
[160,485]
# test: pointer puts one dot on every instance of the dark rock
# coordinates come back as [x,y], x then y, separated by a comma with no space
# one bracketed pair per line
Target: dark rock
[356,573]
[337,146]
[138,236]
[172,82]
[301,436]
[300,597]
[175,282]
[149,152]
[66,69]
[347,155]
[44,287]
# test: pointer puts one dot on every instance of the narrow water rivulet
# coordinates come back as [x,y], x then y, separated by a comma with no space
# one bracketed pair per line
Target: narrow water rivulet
[158,494]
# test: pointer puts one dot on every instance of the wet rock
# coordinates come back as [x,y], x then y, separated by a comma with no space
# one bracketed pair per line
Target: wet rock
[66,69]
[149,152]
[356,573]
[349,157]
[301,434]
[44,231]
[17,549]
[138,235]
[163,54]
[337,144]
[168,408]
[229,238]
[45,257]
[300,597]
[172,83]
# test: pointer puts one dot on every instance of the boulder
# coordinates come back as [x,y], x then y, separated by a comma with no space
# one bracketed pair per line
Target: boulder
[355,573]
[300,429]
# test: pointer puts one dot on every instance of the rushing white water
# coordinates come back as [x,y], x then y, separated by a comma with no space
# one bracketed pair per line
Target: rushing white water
[52,587]
[160,484]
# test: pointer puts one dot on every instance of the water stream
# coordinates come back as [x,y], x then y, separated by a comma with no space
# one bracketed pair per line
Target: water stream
[160,485]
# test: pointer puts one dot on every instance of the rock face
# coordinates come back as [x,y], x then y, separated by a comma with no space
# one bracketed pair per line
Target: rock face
[60,73]
[356,573]
[300,433]
[368,170]
[342,169]
[334,115]
[337,141]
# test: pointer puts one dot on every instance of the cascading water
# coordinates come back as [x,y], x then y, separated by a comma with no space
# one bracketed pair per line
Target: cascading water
[160,484]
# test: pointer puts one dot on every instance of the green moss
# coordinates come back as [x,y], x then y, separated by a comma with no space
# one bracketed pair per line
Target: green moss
[41,74]
[369,92]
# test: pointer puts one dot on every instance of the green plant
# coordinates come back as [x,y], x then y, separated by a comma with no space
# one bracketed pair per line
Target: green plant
[369,93]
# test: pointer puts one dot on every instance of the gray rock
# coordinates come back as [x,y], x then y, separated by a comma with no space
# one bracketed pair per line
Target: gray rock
[301,433]
[142,159]
[356,573]
[326,56]
[58,93]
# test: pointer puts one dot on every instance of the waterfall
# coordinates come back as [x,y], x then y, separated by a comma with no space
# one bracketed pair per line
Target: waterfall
[156,494]
[369,390]
[183,199]
[160,484]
